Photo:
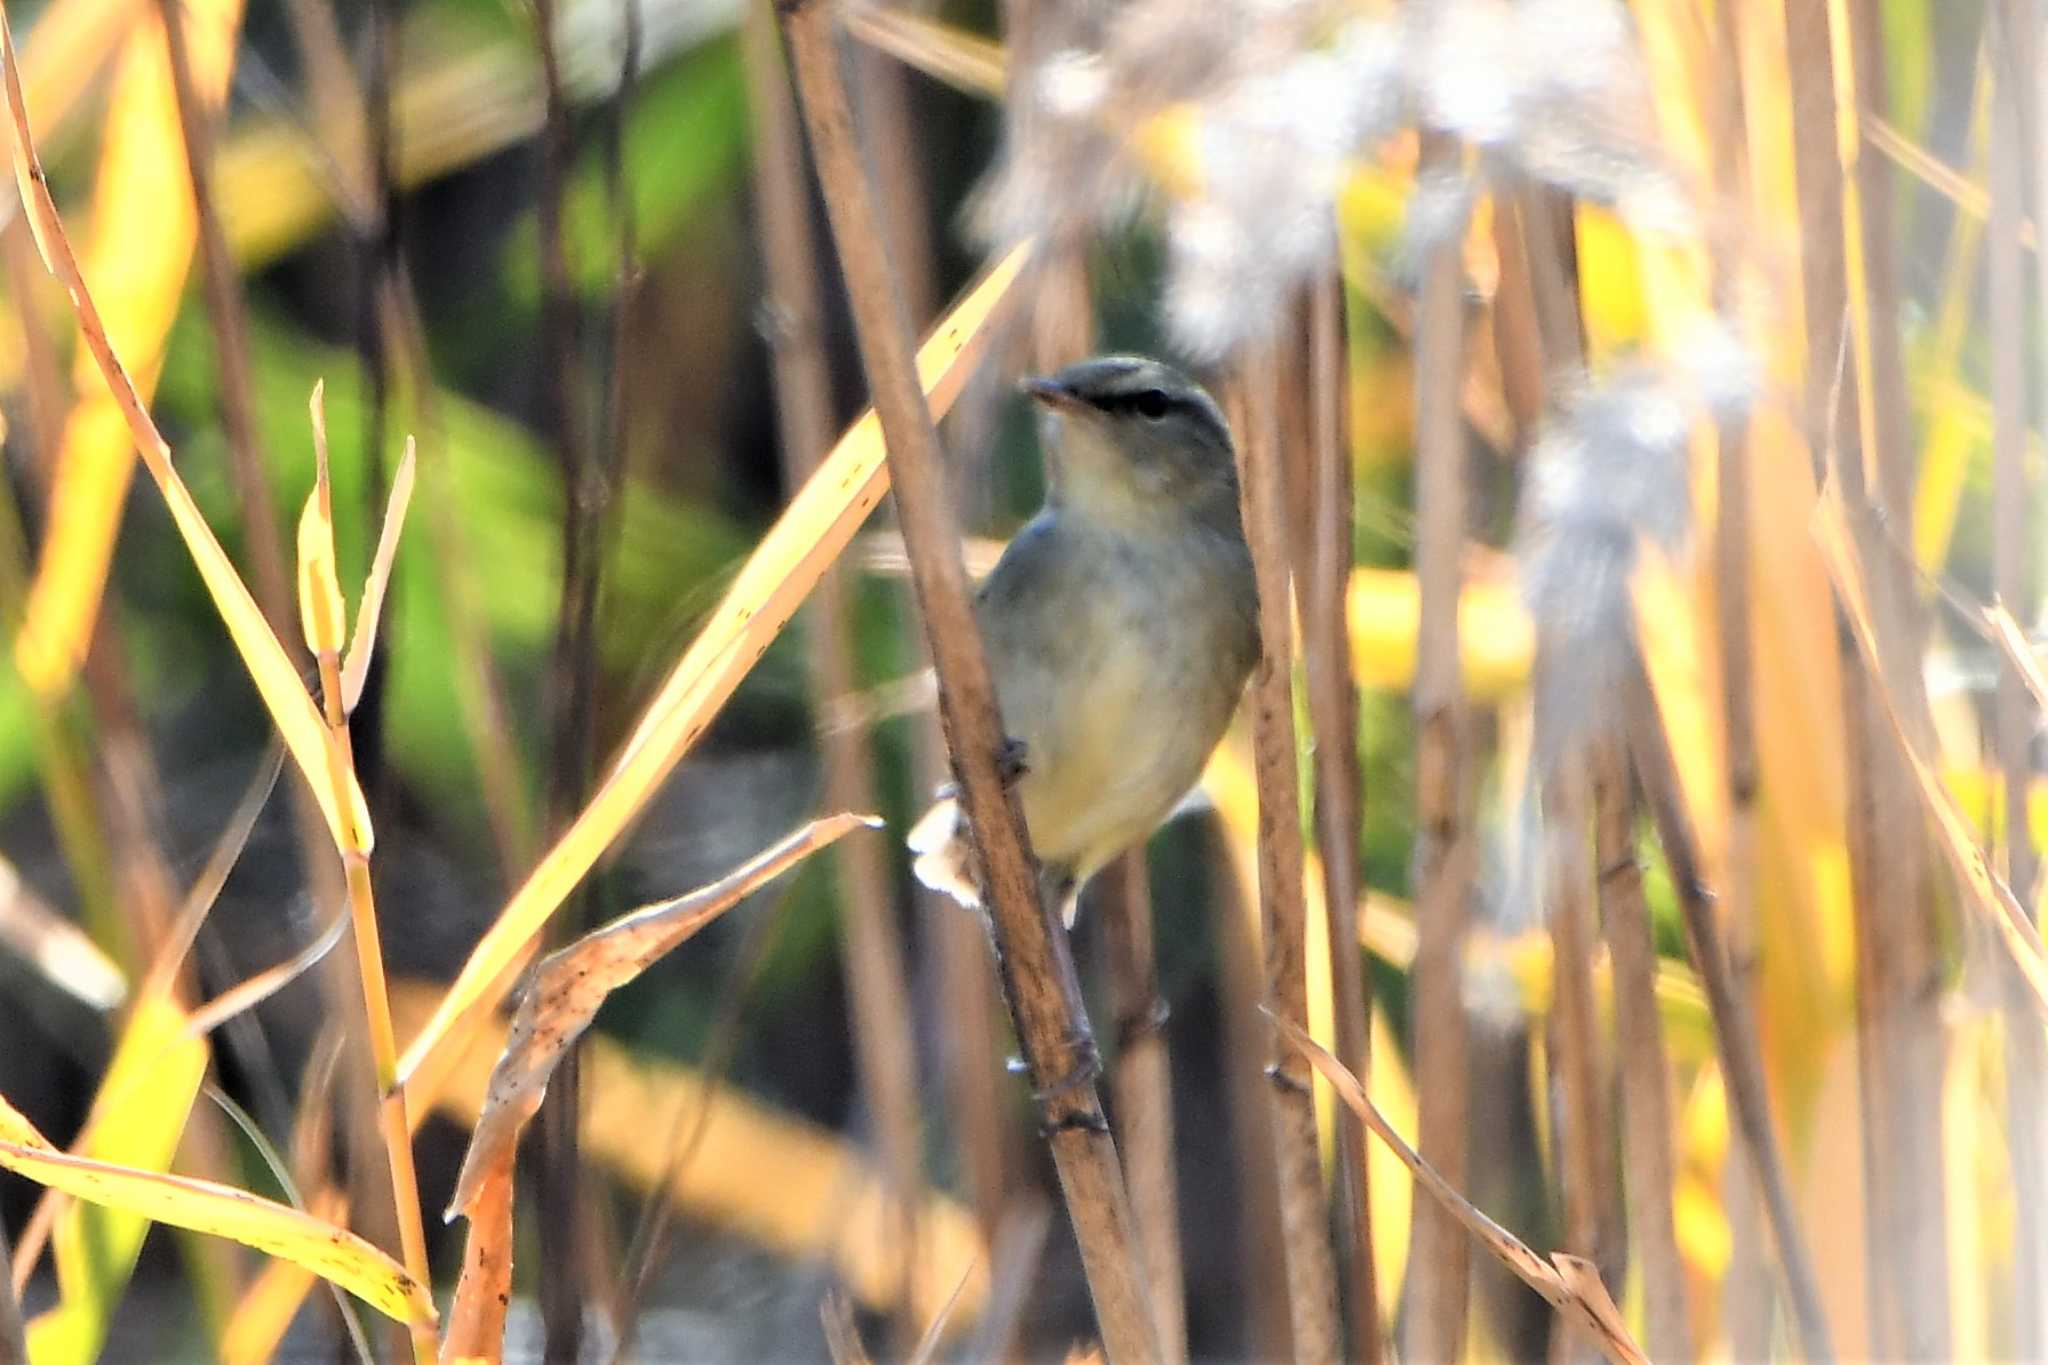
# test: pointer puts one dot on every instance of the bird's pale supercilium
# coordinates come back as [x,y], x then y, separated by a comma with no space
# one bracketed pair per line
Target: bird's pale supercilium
[1121,623]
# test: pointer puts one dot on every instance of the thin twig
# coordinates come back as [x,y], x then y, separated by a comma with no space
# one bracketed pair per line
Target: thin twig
[1339,782]
[226,309]
[1283,912]
[1141,1085]
[1649,1167]
[1749,1295]
[1855,426]
[571,691]
[2012,31]
[1439,1258]
[1581,1124]
[1037,969]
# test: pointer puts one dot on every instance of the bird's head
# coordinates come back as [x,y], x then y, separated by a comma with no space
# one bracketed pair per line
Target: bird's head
[1132,439]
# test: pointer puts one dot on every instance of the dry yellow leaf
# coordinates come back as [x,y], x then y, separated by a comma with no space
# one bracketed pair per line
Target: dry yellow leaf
[137,1118]
[277,681]
[321,613]
[138,251]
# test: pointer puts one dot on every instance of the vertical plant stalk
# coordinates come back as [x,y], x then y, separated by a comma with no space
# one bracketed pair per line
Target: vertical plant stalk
[571,694]
[355,860]
[1734,1033]
[878,992]
[1283,911]
[1746,1299]
[1582,1126]
[13,1332]
[2026,1050]
[1439,1254]
[1259,1259]
[342,118]
[1142,1088]
[1915,1031]
[1649,1168]
[225,309]
[1849,369]
[1037,970]
[1542,233]
[1339,783]
[377,233]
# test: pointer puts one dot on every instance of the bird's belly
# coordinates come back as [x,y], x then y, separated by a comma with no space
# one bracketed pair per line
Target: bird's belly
[1128,743]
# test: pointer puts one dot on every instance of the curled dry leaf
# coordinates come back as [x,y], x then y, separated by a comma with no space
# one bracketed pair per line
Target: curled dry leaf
[476,1321]
[204,1206]
[570,984]
[1570,1285]
[1982,887]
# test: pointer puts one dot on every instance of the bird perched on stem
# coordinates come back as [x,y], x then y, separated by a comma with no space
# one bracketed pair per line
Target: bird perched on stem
[1121,624]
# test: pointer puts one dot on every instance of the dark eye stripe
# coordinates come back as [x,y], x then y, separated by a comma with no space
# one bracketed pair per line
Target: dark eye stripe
[1133,402]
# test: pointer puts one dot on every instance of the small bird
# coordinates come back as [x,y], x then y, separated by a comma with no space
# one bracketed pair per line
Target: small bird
[1121,624]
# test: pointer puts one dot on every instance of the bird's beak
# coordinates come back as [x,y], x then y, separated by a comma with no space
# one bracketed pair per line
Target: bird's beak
[1053,394]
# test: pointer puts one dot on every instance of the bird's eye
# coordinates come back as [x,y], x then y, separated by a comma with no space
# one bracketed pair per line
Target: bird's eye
[1151,403]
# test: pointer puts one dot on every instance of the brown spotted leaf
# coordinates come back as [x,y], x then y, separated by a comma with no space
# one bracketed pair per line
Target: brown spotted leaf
[570,984]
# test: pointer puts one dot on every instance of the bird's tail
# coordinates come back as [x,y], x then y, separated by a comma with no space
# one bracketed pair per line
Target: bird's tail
[945,862]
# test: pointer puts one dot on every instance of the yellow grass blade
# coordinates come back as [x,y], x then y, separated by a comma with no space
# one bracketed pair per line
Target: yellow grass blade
[275,677]
[204,1206]
[272,1299]
[67,48]
[138,1117]
[137,254]
[788,562]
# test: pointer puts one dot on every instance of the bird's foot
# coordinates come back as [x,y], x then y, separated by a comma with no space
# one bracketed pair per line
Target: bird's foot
[1087,1066]
[1010,764]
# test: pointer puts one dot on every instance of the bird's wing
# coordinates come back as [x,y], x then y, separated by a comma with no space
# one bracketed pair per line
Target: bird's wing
[1024,619]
